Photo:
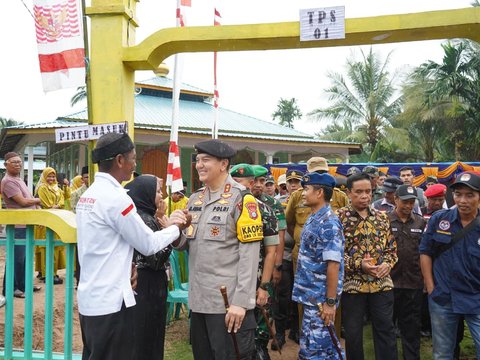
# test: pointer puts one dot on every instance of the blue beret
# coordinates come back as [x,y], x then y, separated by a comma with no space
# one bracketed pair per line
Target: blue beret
[318,179]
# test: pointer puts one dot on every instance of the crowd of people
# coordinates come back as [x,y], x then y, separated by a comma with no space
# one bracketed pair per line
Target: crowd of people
[305,253]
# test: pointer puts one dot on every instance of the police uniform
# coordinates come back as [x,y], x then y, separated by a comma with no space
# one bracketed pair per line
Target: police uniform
[224,246]
[456,274]
[322,241]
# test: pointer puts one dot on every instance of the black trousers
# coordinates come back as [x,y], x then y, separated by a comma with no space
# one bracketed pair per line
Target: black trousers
[108,337]
[283,305]
[380,308]
[211,341]
[407,310]
[150,314]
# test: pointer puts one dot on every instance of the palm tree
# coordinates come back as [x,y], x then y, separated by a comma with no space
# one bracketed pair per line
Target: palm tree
[80,95]
[364,98]
[4,122]
[287,111]
[451,87]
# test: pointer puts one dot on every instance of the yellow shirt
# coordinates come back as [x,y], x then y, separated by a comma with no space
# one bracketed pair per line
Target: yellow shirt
[179,205]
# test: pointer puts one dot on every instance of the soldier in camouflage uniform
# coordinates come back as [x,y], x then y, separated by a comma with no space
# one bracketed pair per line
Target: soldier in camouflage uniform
[372,171]
[319,276]
[244,174]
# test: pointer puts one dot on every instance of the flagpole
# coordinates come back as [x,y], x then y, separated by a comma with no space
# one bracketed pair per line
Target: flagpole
[88,89]
[216,22]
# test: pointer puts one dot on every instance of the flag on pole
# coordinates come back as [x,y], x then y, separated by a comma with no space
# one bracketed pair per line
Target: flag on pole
[216,22]
[174,171]
[61,52]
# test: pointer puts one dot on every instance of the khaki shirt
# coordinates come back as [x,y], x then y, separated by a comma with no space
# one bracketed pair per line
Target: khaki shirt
[216,256]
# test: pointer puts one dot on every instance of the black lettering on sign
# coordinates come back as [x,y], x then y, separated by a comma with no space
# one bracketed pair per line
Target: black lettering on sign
[310,16]
[318,33]
[321,16]
[195,208]
[333,18]
[221,208]
[251,231]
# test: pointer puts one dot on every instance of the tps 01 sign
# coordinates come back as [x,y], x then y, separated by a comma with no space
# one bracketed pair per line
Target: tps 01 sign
[322,24]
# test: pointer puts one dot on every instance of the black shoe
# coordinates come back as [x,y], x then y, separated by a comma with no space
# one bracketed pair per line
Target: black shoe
[293,335]
[57,280]
[281,342]
[262,350]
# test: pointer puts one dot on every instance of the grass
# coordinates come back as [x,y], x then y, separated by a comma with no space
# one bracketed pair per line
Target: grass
[178,348]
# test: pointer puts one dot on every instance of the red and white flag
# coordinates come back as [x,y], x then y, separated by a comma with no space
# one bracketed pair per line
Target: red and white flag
[216,22]
[174,171]
[58,25]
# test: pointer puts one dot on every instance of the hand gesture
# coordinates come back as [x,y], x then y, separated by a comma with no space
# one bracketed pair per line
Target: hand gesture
[262,297]
[234,318]
[328,313]
[368,267]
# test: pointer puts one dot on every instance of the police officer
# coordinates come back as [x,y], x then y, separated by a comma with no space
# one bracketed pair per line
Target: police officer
[407,228]
[224,246]
[319,275]
[450,253]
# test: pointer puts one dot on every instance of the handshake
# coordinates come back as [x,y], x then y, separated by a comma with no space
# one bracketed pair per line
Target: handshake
[180,218]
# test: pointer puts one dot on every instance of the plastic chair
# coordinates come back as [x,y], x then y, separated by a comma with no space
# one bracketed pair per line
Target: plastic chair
[178,295]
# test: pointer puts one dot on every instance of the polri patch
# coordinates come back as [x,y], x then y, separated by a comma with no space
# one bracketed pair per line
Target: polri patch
[252,210]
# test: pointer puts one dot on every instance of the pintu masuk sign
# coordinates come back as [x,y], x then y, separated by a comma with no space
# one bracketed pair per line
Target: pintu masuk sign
[88,132]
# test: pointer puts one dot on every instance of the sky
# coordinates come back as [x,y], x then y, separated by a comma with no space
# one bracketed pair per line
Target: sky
[249,82]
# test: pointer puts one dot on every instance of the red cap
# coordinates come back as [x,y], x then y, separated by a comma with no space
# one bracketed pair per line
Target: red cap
[436,190]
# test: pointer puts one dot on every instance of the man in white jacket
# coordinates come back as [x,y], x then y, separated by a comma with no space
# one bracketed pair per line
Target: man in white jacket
[108,230]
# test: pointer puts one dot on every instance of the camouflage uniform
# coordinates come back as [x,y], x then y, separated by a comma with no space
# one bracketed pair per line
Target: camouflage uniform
[270,233]
[322,240]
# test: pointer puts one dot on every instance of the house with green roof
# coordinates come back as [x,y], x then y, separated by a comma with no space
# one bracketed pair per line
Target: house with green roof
[257,141]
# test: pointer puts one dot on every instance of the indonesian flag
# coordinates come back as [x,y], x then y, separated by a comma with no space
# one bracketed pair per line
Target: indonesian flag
[60,44]
[216,95]
[174,171]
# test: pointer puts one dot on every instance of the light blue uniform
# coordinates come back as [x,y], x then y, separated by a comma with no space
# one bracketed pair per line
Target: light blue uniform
[322,240]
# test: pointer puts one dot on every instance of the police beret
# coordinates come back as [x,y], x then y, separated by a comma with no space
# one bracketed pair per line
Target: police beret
[318,179]
[436,190]
[406,192]
[391,184]
[270,180]
[294,174]
[259,171]
[470,179]
[216,148]
[242,170]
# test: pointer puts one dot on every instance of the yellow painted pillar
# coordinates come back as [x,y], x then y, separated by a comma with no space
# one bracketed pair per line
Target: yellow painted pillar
[112,82]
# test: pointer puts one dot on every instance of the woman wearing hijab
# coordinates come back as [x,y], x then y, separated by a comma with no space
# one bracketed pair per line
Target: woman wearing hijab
[152,284]
[51,197]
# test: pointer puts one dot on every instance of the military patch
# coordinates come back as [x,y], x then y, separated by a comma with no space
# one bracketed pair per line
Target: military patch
[223,202]
[478,242]
[252,210]
[227,196]
[444,225]
[214,231]
[251,232]
[227,188]
[199,202]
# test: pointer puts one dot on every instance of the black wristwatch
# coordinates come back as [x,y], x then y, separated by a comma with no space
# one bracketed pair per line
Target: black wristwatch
[279,267]
[264,286]
[331,301]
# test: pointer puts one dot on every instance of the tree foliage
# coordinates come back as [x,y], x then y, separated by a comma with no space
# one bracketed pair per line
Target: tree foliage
[287,112]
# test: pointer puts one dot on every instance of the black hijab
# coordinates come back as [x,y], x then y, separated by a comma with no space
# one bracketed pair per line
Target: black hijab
[143,190]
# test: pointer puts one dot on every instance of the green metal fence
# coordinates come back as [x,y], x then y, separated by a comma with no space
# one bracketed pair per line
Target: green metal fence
[61,226]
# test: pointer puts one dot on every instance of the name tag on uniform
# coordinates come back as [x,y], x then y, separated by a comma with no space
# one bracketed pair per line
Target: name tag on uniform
[394,229]
[416,230]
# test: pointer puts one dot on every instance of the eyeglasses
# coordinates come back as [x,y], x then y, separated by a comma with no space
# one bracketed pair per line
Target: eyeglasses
[14,162]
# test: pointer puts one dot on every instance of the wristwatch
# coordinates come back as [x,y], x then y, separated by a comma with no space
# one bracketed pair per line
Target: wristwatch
[264,286]
[279,267]
[331,301]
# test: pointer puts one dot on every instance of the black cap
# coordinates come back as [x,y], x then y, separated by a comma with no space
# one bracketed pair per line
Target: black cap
[116,144]
[432,179]
[216,148]
[294,174]
[391,184]
[372,171]
[470,179]
[406,192]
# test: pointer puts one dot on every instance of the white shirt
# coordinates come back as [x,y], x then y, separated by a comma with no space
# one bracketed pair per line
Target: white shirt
[108,229]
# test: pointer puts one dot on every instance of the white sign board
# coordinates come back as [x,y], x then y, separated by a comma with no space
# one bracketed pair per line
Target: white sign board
[88,132]
[322,23]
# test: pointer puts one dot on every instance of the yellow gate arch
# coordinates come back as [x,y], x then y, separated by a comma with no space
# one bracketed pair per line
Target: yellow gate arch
[115,57]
